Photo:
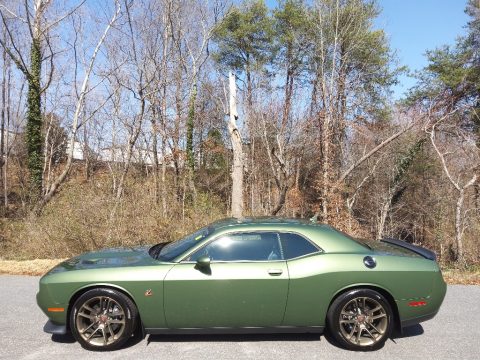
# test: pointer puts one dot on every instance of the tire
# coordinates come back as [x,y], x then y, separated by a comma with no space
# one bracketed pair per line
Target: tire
[103,319]
[360,319]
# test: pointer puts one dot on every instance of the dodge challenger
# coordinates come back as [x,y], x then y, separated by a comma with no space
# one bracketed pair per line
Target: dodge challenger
[252,275]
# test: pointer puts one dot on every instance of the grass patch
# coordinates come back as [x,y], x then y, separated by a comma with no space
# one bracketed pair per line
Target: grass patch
[462,277]
[27,267]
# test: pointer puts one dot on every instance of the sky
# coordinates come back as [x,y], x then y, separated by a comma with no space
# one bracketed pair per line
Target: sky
[414,26]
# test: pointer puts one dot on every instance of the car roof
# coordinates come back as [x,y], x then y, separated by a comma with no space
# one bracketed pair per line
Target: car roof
[258,220]
[325,236]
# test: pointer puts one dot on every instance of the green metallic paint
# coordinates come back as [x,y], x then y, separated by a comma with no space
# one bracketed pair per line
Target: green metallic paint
[232,295]
[297,293]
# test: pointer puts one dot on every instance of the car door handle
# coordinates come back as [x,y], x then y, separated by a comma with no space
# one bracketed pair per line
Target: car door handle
[275,272]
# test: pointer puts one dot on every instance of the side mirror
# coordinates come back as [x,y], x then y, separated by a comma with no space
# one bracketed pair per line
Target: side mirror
[203,262]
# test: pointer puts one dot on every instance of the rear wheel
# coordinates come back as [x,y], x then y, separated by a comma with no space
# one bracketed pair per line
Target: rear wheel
[103,319]
[360,319]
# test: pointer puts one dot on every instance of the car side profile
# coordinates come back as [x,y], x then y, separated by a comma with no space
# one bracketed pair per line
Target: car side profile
[245,276]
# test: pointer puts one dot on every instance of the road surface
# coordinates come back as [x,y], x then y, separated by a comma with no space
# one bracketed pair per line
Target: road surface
[453,334]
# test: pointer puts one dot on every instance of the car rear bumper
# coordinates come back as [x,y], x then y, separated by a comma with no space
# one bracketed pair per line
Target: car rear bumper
[56,329]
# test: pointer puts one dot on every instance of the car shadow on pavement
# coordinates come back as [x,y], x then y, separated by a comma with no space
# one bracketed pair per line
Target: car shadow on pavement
[233,337]
[409,331]
[414,330]
[63,339]
[69,339]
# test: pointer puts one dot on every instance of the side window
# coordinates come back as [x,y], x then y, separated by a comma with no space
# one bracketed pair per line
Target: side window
[294,245]
[242,247]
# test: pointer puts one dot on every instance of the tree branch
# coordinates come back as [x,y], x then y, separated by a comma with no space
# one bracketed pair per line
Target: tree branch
[374,150]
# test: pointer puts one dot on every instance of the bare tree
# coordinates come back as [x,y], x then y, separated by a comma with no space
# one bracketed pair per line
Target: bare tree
[236,139]
[437,128]
[84,90]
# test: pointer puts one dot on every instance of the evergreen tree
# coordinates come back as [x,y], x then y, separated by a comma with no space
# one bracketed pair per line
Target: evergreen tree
[453,73]
[244,40]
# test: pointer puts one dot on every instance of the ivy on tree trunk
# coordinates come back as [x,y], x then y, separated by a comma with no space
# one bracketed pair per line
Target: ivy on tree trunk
[34,121]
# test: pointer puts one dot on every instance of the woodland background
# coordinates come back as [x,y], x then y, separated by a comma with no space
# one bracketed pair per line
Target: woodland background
[115,131]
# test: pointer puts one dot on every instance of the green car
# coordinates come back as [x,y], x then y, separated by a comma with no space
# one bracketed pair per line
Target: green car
[245,276]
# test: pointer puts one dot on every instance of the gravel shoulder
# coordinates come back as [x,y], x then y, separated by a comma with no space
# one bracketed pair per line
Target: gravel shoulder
[452,334]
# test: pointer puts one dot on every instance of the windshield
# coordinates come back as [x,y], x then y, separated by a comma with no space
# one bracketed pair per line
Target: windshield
[176,248]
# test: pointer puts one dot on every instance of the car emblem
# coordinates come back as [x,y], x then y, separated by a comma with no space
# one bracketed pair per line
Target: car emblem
[148,292]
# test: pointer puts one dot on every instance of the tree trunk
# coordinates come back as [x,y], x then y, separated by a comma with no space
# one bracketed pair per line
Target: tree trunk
[131,144]
[460,257]
[383,217]
[6,144]
[86,151]
[166,37]
[281,200]
[326,166]
[154,130]
[237,167]
[189,147]
[190,128]
[3,121]
[34,120]
[164,150]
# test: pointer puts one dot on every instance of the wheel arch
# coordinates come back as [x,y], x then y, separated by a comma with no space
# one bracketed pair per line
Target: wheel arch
[79,292]
[384,292]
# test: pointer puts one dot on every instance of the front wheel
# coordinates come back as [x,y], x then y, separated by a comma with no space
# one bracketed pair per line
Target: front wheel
[360,319]
[103,319]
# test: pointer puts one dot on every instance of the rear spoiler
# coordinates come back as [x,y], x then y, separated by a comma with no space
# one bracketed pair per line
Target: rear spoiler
[427,254]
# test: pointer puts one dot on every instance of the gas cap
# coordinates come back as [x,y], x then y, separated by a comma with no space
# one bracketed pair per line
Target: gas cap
[369,262]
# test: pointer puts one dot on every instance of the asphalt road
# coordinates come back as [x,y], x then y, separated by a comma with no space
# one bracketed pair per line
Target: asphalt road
[453,334]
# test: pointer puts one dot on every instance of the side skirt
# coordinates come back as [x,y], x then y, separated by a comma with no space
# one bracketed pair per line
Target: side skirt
[243,330]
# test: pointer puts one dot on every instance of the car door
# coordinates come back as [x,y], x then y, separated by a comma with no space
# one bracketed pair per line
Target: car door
[306,304]
[245,285]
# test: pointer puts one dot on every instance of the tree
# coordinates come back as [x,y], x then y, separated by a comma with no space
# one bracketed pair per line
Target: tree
[290,24]
[32,70]
[350,63]
[80,103]
[458,180]
[236,139]
[397,183]
[244,39]
[449,92]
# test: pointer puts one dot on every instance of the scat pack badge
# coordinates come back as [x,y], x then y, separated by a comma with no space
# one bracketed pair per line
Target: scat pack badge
[148,292]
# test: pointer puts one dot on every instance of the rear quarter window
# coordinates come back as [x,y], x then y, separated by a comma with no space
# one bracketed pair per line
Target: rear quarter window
[294,245]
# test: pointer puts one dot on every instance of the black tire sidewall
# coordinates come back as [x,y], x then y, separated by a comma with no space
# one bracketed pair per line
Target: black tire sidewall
[130,317]
[334,314]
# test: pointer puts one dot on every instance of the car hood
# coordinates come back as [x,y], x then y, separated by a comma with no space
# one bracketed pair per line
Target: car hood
[107,258]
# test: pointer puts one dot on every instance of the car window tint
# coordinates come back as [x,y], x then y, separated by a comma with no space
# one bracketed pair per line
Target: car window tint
[242,247]
[294,245]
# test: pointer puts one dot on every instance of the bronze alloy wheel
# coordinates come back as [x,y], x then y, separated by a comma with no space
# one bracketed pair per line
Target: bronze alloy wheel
[363,321]
[360,319]
[100,321]
[103,319]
